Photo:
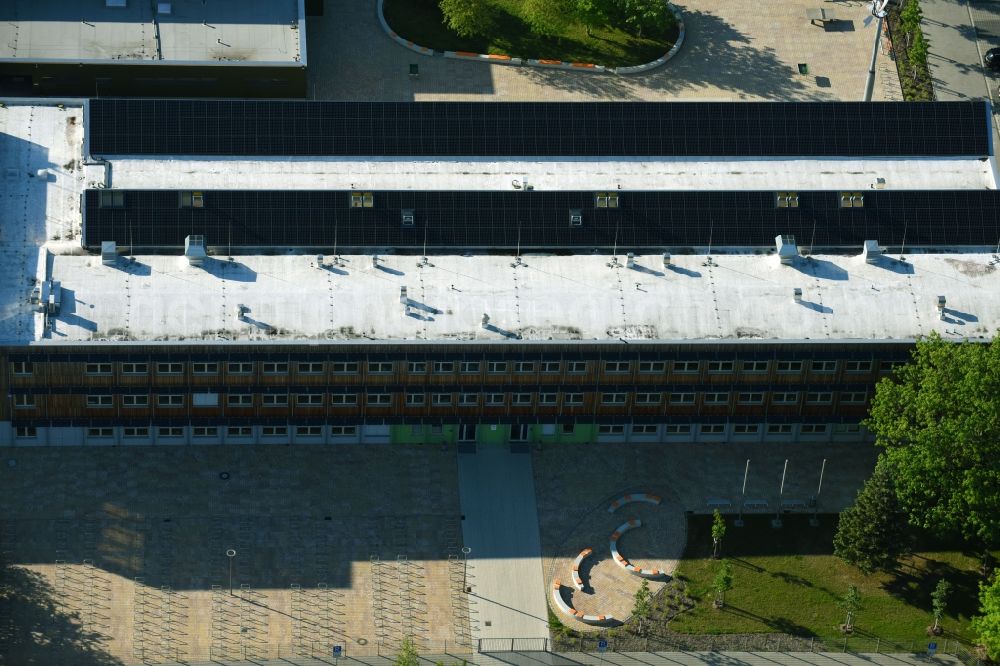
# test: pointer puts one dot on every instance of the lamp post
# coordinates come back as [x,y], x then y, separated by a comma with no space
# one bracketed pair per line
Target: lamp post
[231,553]
[465,567]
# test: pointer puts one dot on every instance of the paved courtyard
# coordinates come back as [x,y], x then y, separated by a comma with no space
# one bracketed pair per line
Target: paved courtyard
[734,50]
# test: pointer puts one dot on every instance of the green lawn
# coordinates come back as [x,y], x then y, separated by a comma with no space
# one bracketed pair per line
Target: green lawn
[788,581]
[421,22]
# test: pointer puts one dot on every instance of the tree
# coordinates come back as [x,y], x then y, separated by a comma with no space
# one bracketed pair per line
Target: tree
[918,53]
[718,531]
[548,18]
[466,17]
[851,603]
[939,603]
[909,19]
[872,534]
[987,625]
[938,421]
[722,583]
[642,14]
[643,606]
[407,655]
[592,13]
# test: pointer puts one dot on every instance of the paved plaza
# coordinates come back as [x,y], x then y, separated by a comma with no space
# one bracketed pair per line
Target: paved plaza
[733,50]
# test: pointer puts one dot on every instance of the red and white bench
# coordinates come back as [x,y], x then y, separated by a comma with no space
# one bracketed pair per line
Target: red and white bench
[646,498]
[572,612]
[621,561]
[577,580]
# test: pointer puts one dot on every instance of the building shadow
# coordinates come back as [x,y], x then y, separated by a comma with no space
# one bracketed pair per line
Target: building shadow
[68,313]
[229,270]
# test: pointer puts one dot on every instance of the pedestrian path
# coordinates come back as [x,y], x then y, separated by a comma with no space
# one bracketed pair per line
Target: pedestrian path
[954,58]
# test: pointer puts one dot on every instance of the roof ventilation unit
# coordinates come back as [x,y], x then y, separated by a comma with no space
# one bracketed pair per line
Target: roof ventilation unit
[403,298]
[575,217]
[194,250]
[109,253]
[941,301]
[787,249]
[797,294]
[630,260]
[408,217]
[872,252]
[666,260]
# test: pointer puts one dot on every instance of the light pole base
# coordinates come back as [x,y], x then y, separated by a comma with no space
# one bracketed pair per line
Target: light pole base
[776,523]
[738,522]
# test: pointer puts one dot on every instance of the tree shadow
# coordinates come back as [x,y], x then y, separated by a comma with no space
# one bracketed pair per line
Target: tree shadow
[781,624]
[914,584]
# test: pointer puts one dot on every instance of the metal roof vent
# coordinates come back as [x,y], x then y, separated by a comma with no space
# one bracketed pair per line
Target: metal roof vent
[666,260]
[408,217]
[194,250]
[630,260]
[575,217]
[109,253]
[797,294]
[941,302]
[403,298]
[787,249]
[872,252]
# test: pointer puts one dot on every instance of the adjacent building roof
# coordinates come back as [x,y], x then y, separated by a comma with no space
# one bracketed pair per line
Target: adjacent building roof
[170,31]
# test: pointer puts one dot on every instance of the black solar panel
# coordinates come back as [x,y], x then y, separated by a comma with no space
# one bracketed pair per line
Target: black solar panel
[509,129]
[538,219]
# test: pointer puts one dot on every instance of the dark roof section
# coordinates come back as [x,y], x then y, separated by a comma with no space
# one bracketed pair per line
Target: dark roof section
[541,220]
[538,129]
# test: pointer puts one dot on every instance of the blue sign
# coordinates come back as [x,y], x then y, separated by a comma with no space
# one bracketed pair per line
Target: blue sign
[931,648]
[337,650]
[602,645]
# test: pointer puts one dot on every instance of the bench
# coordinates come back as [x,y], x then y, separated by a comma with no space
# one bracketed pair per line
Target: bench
[621,561]
[634,497]
[793,504]
[755,504]
[719,503]
[824,16]
[577,580]
[561,604]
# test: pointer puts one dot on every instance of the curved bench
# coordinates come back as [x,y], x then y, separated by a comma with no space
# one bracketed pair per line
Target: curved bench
[572,612]
[621,561]
[646,498]
[584,554]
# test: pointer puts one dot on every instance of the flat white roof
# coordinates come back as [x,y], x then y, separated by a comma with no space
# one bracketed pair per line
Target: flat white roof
[556,174]
[192,31]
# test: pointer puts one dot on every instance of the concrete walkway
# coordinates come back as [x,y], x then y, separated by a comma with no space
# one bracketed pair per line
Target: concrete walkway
[955,61]
[497,492]
[712,659]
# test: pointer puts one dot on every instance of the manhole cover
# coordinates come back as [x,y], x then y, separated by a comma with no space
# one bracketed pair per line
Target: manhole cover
[11,462]
[224,476]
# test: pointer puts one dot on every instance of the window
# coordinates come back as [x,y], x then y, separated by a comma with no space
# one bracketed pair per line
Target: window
[606,200]
[135,401]
[135,432]
[649,367]
[720,366]
[789,366]
[787,200]
[819,398]
[755,366]
[21,368]
[170,431]
[494,399]
[379,367]
[26,432]
[520,399]
[750,398]
[470,367]
[22,401]
[100,432]
[611,430]
[111,199]
[309,399]
[466,432]
[853,398]
[415,399]
[678,429]
[858,366]
[547,399]
[814,429]
[576,367]
[496,366]
[169,368]
[192,200]
[275,368]
[343,368]
[648,398]
[852,199]
[643,429]
[100,401]
[682,398]
[171,400]
[572,399]
[612,398]
[550,367]
[444,367]
[238,431]
[310,368]
[379,399]
[239,368]
[524,367]
[343,431]
[343,399]
[784,398]
[712,429]
[308,431]
[686,366]
[239,400]
[274,400]
[417,367]
[135,368]
[746,428]
[204,399]
[468,399]
[824,366]
[568,428]
[842,428]
[779,429]
[616,366]
[98,369]
[716,398]
[889,366]
[205,368]
[362,199]
[441,399]
[204,431]
[274,431]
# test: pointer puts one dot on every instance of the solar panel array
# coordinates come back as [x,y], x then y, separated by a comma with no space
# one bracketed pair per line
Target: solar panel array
[456,220]
[523,129]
